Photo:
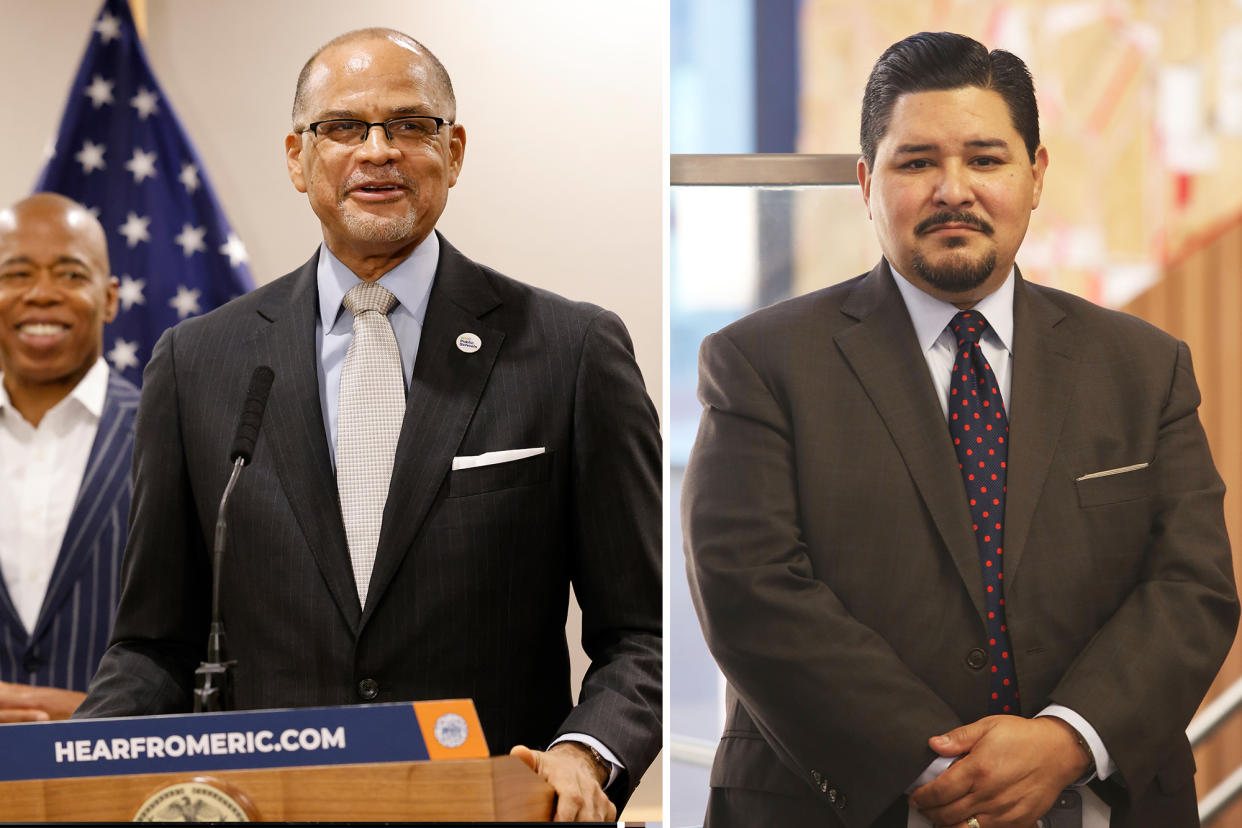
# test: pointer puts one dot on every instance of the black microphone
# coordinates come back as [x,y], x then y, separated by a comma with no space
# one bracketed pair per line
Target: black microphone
[252,414]
[214,677]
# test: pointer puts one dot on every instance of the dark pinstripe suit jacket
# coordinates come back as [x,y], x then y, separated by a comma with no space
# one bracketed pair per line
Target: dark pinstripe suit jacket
[469,593]
[836,575]
[76,617]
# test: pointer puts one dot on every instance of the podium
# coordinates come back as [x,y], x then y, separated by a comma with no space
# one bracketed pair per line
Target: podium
[400,762]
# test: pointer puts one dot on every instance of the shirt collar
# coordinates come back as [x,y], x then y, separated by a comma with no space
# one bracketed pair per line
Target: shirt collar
[90,391]
[409,281]
[931,315]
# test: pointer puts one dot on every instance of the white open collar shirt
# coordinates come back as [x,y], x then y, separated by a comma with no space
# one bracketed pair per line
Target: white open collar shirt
[41,470]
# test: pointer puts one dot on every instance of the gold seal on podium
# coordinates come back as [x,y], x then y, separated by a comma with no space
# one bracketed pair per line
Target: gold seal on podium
[201,799]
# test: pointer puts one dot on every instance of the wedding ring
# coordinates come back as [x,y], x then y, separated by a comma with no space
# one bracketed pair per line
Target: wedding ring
[972,823]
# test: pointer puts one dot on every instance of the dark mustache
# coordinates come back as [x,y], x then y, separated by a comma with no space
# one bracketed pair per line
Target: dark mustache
[952,218]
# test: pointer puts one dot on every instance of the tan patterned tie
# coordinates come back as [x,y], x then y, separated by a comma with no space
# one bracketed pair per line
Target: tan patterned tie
[370,409]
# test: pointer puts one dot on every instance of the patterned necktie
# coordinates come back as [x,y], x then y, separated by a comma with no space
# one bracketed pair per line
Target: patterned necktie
[370,409]
[980,432]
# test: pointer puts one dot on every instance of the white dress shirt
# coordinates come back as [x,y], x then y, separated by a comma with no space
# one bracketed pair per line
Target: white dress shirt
[41,471]
[931,317]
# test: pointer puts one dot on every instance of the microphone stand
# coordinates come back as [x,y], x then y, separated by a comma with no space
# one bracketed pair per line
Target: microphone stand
[213,679]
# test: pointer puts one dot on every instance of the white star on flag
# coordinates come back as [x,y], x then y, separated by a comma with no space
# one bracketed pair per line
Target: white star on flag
[189,177]
[130,293]
[145,102]
[235,250]
[49,149]
[108,27]
[100,91]
[191,239]
[123,355]
[91,157]
[135,229]
[142,165]
[120,151]
[186,301]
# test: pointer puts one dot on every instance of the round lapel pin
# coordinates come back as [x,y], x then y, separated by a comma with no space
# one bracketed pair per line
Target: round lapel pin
[468,343]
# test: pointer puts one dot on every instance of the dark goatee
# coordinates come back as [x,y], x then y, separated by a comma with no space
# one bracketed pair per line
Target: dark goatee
[957,274]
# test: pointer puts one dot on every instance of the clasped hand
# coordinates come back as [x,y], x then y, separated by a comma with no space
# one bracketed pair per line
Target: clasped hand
[1009,775]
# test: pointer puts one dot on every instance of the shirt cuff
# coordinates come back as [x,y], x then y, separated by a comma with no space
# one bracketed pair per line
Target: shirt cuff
[938,766]
[615,766]
[1104,766]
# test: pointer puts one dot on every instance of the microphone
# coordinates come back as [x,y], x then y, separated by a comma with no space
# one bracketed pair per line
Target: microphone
[213,689]
[252,414]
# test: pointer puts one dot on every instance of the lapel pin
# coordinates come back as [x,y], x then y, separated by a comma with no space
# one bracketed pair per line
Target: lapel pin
[468,343]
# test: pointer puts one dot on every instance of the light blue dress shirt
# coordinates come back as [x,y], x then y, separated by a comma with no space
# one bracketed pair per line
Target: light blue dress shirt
[409,281]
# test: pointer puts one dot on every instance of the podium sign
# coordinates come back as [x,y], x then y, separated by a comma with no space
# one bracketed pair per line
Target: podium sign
[237,740]
[367,762]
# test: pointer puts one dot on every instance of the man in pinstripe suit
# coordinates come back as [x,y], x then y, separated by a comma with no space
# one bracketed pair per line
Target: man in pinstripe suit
[527,459]
[66,435]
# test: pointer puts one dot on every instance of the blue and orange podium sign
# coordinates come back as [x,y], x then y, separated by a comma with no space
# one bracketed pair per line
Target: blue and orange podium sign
[238,740]
[370,762]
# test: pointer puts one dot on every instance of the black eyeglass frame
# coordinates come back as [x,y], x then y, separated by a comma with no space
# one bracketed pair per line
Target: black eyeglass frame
[313,128]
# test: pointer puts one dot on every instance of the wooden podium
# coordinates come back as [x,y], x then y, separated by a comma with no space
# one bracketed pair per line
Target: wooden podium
[467,790]
[425,762]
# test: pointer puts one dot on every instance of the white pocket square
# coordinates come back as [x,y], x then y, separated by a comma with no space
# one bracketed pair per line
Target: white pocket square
[1111,472]
[491,458]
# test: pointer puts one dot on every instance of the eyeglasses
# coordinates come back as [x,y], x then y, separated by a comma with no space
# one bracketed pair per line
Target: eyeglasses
[409,130]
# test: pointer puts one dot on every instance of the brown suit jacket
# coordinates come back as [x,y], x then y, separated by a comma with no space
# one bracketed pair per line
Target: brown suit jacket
[834,568]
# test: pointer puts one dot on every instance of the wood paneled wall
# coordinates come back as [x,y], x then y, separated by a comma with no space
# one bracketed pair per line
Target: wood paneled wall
[1199,300]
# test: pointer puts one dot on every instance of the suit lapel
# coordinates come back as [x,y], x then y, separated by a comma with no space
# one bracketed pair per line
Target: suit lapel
[105,479]
[884,354]
[293,428]
[1044,374]
[444,392]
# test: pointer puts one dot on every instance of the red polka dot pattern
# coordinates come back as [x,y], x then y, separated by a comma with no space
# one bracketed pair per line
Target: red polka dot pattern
[975,385]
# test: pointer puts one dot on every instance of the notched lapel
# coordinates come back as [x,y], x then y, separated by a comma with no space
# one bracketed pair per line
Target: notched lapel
[884,354]
[444,392]
[293,426]
[1044,373]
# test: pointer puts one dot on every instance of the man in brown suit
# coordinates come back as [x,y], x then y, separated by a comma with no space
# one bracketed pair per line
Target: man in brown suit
[895,651]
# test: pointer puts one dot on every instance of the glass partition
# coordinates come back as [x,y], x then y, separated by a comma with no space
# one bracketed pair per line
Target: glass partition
[736,247]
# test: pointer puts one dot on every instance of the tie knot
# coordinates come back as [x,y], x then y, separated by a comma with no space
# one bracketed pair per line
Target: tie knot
[369,296]
[968,326]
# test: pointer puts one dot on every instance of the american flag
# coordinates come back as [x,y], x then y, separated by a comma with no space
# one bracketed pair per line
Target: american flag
[121,152]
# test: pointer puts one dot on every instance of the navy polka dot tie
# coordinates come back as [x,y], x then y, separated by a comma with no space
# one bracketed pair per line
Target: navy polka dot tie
[980,432]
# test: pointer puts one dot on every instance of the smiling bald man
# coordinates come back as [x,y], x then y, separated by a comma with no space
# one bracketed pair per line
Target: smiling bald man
[66,435]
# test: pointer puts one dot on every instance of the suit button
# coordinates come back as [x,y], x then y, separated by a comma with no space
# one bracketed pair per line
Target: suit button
[832,795]
[976,659]
[368,689]
[31,662]
[840,802]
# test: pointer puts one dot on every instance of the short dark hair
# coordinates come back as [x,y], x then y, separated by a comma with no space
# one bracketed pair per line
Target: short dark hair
[439,75]
[930,61]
